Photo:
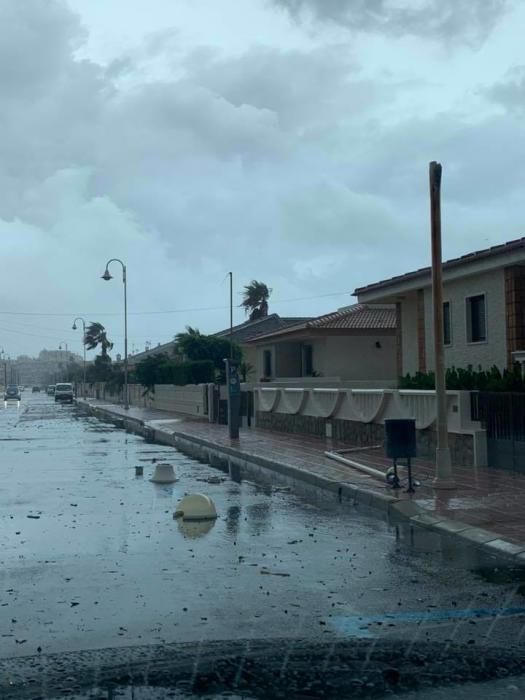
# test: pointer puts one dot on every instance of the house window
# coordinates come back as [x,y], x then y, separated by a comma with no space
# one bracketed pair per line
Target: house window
[476,319]
[267,363]
[447,337]
[308,360]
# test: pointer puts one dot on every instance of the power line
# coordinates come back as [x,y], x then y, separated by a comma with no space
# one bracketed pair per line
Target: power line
[170,311]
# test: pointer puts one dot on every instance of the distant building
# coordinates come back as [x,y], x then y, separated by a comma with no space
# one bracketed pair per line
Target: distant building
[50,366]
[164,348]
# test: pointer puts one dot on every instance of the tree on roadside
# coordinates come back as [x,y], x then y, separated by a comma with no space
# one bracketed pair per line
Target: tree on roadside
[193,345]
[163,369]
[255,299]
[96,335]
[148,371]
[74,372]
[101,370]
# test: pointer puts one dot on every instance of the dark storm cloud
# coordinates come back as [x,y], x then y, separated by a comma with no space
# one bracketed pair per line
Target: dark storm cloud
[297,159]
[37,38]
[469,20]
[510,92]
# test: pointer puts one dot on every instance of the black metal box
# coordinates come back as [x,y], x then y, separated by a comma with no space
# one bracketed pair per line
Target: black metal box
[400,438]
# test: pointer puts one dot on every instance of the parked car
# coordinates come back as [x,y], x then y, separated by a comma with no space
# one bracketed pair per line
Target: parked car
[12,393]
[50,390]
[64,393]
[35,389]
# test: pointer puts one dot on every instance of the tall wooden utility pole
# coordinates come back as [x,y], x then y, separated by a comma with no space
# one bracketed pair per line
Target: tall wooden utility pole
[443,478]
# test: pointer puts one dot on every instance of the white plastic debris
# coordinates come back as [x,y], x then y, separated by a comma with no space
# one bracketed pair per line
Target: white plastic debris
[196,506]
[164,473]
[193,529]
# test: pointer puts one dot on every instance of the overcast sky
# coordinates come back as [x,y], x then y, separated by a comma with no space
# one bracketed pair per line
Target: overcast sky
[285,140]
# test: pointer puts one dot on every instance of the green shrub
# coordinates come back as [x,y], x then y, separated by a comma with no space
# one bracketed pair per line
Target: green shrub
[469,379]
[161,369]
[195,346]
[195,372]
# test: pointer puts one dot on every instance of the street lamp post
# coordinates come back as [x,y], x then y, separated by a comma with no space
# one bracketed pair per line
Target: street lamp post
[79,318]
[2,356]
[106,276]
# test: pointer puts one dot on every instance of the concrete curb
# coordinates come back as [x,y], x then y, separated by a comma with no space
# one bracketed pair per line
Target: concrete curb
[397,510]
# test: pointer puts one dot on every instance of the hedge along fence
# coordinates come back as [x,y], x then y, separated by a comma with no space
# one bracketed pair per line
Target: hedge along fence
[469,379]
[193,372]
[152,371]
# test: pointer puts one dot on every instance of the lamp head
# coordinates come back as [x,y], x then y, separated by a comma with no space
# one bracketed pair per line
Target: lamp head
[106,276]
[74,326]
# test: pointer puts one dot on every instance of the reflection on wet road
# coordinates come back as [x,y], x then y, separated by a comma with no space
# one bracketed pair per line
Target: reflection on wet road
[91,556]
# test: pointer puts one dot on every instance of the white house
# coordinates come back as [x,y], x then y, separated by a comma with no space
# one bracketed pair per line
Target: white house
[354,344]
[484,309]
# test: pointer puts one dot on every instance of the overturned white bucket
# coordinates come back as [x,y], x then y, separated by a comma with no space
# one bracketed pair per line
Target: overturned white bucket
[196,506]
[164,473]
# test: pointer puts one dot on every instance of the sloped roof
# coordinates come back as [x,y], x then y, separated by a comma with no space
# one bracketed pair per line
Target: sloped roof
[475,256]
[249,330]
[357,317]
[156,350]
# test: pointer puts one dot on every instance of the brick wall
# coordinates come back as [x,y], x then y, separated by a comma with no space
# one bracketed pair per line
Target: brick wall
[515,310]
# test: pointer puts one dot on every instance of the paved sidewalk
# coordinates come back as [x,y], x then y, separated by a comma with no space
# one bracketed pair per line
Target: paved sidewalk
[484,498]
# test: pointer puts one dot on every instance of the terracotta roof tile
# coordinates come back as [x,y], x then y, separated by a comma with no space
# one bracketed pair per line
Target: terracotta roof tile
[249,330]
[355,317]
[359,316]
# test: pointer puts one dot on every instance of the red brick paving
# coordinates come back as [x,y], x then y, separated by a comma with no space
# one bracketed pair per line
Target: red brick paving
[490,498]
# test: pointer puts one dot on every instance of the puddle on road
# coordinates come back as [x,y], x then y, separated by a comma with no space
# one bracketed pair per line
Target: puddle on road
[114,568]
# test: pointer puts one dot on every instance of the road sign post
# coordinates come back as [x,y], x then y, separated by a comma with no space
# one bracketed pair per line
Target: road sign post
[234,398]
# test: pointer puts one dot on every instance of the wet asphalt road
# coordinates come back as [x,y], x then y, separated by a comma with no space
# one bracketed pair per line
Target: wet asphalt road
[90,556]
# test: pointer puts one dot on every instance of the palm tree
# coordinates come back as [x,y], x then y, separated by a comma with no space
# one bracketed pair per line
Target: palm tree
[96,335]
[255,299]
[191,332]
[186,342]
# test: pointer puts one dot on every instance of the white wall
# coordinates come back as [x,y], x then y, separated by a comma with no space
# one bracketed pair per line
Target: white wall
[461,353]
[259,364]
[249,355]
[189,399]
[374,406]
[358,357]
